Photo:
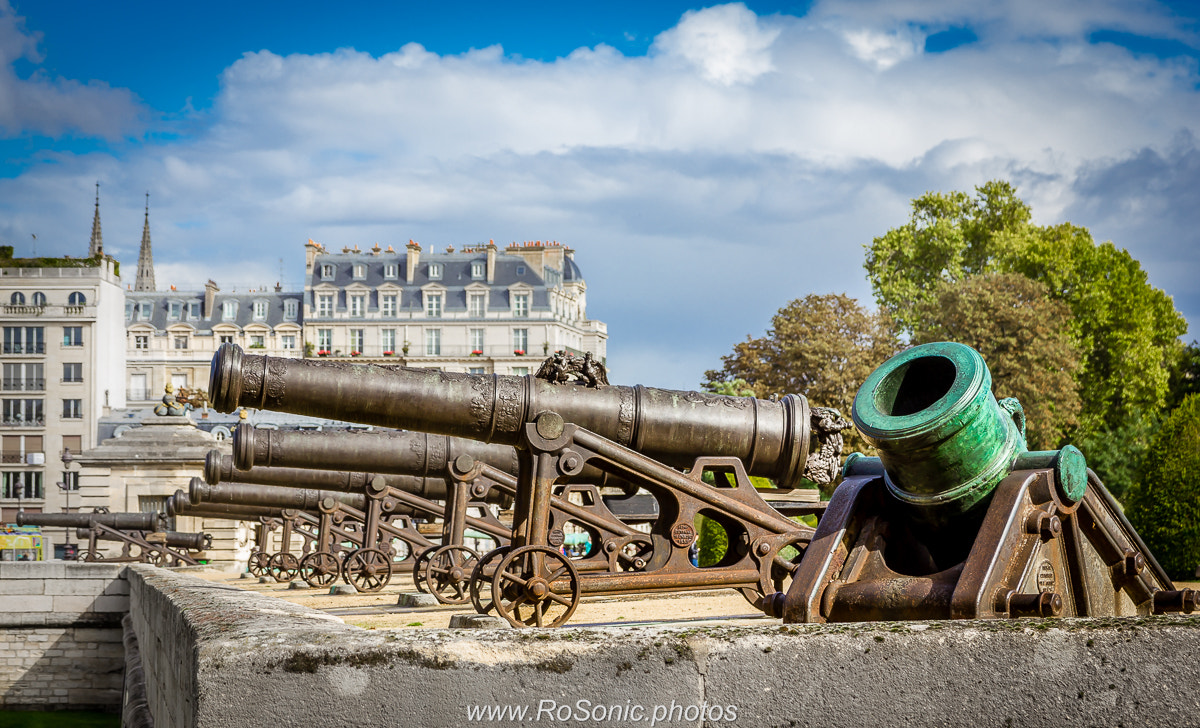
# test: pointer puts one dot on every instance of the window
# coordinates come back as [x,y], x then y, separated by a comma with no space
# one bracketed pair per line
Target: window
[433,342]
[389,270]
[144,310]
[181,341]
[24,449]
[179,380]
[175,310]
[476,337]
[387,339]
[360,271]
[72,409]
[25,377]
[24,340]
[226,338]
[193,309]
[520,371]
[17,298]
[356,341]
[76,299]
[327,272]
[260,310]
[520,305]
[290,309]
[478,269]
[258,341]
[39,299]
[387,304]
[520,270]
[73,371]
[358,305]
[520,341]
[23,413]
[325,305]
[477,370]
[229,310]
[70,479]
[138,387]
[129,310]
[324,340]
[141,342]
[475,304]
[433,305]
[287,341]
[27,484]
[72,336]
[435,271]
[74,443]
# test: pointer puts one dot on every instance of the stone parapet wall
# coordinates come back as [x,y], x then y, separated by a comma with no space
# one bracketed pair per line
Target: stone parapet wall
[60,635]
[229,657]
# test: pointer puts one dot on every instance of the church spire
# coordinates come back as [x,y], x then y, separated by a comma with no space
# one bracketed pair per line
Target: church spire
[145,271]
[96,247]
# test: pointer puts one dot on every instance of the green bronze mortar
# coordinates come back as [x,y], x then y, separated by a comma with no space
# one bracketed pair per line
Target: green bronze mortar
[944,441]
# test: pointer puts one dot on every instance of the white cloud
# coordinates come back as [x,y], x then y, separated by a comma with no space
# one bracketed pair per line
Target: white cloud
[743,163]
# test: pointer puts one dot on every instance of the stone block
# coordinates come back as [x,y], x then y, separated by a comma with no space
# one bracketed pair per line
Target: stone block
[32,570]
[478,621]
[87,570]
[84,634]
[117,586]
[76,587]
[417,599]
[14,587]
[26,603]
[76,604]
[115,603]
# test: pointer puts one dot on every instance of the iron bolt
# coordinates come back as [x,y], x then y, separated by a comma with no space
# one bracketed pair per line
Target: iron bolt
[478,490]
[1043,524]
[764,549]
[463,463]
[550,425]
[1134,563]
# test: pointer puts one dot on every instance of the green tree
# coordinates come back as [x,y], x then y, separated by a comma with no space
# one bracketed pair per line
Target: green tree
[821,346]
[1185,374]
[1021,334]
[1164,506]
[1125,329]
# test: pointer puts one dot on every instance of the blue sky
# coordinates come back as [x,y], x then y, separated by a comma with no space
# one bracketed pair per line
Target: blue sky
[707,163]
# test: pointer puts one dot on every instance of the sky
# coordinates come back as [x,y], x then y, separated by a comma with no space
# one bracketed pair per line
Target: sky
[708,164]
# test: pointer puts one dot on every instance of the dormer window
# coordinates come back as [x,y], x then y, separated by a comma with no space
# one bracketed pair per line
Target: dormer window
[327,272]
[520,304]
[229,310]
[478,270]
[360,271]
[389,271]
[290,309]
[520,270]
[193,310]
[435,271]
[144,310]
[175,310]
[260,310]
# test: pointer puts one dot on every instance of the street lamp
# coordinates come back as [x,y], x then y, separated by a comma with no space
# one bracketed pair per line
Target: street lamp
[65,486]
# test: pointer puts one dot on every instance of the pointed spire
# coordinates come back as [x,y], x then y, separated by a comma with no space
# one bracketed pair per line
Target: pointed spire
[96,247]
[145,271]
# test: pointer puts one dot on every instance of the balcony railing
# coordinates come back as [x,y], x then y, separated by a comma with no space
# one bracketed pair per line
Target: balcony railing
[457,351]
[24,385]
[22,422]
[25,348]
[16,309]
[25,310]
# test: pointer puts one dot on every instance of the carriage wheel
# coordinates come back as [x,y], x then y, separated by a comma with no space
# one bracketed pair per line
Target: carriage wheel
[88,555]
[369,570]
[481,579]
[418,570]
[521,588]
[284,567]
[448,573]
[775,570]
[319,569]
[257,565]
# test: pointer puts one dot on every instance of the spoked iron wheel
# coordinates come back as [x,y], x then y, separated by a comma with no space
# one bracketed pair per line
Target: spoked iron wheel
[481,579]
[284,567]
[418,572]
[522,588]
[319,569]
[369,570]
[776,569]
[258,563]
[448,572]
[88,555]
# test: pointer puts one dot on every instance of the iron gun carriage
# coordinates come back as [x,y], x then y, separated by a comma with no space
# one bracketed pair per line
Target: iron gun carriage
[143,536]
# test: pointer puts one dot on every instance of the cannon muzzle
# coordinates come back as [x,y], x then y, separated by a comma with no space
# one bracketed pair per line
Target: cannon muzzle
[770,437]
[118,521]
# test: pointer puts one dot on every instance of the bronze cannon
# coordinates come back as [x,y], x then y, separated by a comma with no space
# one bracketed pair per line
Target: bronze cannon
[142,536]
[956,519]
[119,521]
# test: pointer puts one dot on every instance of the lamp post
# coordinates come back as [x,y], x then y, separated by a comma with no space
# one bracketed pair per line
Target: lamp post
[65,486]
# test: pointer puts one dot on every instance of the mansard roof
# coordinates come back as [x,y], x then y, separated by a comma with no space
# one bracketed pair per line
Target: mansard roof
[160,312]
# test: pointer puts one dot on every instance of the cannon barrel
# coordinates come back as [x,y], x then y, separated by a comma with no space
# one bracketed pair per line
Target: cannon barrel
[944,441]
[119,521]
[176,539]
[770,437]
[181,505]
[269,496]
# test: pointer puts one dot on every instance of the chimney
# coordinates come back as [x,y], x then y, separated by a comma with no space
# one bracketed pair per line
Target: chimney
[413,257]
[491,261]
[210,294]
[311,251]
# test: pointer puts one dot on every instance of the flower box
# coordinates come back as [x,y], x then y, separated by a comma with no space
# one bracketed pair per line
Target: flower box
[356,353]
[388,353]
[323,352]
[519,352]
[477,352]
